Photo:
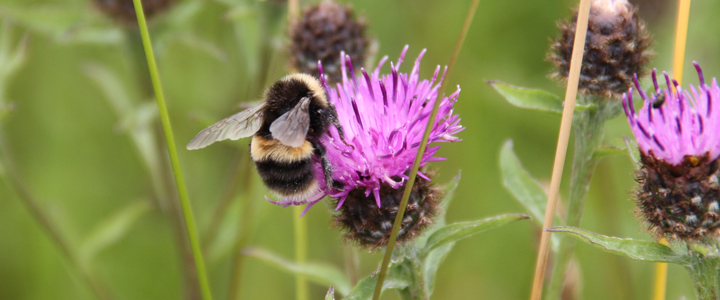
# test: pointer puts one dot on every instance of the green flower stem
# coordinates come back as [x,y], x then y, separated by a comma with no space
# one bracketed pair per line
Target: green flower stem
[418,157]
[301,241]
[588,134]
[46,223]
[705,274]
[172,150]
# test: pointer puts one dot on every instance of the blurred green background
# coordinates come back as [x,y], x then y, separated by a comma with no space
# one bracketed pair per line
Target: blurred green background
[73,152]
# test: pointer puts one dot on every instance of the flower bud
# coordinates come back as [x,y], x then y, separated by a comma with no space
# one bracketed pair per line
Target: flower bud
[324,31]
[616,47]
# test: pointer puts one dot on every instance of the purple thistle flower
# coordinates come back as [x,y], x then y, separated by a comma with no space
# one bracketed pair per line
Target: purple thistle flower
[677,194]
[686,124]
[384,118]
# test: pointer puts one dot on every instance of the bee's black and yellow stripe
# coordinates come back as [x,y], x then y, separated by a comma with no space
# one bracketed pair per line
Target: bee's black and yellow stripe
[285,170]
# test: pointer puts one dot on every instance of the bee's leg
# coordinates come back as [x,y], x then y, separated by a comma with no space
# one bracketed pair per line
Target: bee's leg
[336,122]
[330,182]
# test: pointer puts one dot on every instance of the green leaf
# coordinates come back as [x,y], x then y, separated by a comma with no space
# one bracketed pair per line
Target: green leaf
[448,195]
[633,249]
[111,230]
[459,231]
[49,20]
[194,42]
[528,98]
[83,34]
[397,277]
[432,264]
[319,273]
[605,151]
[526,189]
[112,87]
[586,107]
[11,57]
[521,184]
[634,152]
[181,15]
[330,293]
[534,99]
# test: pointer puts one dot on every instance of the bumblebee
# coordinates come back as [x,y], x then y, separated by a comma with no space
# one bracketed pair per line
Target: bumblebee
[285,130]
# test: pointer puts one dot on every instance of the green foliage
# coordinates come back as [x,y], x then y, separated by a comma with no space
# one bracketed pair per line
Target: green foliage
[606,151]
[111,230]
[318,273]
[12,56]
[52,20]
[526,189]
[533,99]
[633,152]
[633,249]
[521,184]
[415,266]
[458,231]
[397,278]
[330,293]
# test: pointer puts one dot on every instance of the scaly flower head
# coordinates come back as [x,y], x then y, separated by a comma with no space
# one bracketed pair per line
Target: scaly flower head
[678,135]
[616,47]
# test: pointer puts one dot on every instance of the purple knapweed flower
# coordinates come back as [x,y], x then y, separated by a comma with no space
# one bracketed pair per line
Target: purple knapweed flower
[678,133]
[383,117]
[685,123]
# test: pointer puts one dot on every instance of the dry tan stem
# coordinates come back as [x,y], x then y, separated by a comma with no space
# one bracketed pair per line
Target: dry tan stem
[561,151]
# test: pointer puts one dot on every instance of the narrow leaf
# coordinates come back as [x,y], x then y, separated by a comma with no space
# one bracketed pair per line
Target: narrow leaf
[112,87]
[529,98]
[83,34]
[587,107]
[330,294]
[449,193]
[182,14]
[111,230]
[459,231]
[432,264]
[605,151]
[633,151]
[397,277]
[202,45]
[52,20]
[526,189]
[521,184]
[319,273]
[633,249]
[11,57]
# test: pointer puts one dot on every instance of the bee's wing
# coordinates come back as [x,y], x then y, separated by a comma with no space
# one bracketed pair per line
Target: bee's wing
[291,128]
[237,126]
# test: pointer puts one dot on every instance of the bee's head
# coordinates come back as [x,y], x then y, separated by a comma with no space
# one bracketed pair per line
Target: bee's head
[284,94]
